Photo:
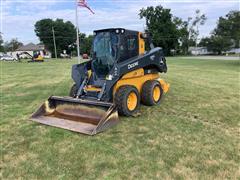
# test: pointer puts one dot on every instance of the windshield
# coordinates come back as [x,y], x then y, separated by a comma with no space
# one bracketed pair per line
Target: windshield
[104,52]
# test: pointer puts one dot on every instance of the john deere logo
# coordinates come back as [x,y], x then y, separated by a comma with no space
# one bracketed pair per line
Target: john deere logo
[130,66]
[152,57]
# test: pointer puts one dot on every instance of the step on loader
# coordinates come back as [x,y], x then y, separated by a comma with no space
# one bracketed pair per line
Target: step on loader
[120,75]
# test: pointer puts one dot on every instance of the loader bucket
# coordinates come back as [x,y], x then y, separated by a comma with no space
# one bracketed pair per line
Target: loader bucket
[83,116]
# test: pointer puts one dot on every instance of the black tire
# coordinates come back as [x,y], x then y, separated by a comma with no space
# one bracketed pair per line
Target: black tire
[73,91]
[121,98]
[147,93]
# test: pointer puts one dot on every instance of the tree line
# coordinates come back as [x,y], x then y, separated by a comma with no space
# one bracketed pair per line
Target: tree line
[9,46]
[172,33]
[175,34]
[65,36]
[226,35]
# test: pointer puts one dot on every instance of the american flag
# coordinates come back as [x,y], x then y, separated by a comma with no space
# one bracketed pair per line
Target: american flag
[83,3]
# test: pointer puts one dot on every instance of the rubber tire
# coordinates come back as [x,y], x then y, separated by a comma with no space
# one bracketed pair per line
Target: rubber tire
[147,93]
[73,91]
[121,100]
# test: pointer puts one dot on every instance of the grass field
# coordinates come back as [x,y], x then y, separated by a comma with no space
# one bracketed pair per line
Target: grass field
[194,133]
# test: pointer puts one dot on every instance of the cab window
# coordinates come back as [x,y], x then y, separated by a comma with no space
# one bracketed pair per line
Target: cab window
[132,43]
[128,47]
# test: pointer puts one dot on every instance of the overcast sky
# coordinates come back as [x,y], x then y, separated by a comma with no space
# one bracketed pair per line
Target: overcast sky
[19,16]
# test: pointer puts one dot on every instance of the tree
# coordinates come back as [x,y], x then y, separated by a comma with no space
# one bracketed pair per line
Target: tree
[171,32]
[160,25]
[86,44]
[226,35]
[194,24]
[216,44]
[65,34]
[229,28]
[183,35]
[13,45]
[1,43]
[190,30]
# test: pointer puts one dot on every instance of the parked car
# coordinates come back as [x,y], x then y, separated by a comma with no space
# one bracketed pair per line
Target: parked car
[6,57]
[62,55]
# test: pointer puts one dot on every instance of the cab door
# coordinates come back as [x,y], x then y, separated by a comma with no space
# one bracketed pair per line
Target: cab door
[129,47]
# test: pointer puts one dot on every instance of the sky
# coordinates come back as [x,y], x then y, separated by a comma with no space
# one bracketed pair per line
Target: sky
[17,17]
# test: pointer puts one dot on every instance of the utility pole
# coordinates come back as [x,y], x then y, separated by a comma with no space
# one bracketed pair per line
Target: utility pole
[54,42]
[78,43]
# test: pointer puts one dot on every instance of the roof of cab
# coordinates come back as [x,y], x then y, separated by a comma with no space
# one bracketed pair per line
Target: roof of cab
[114,29]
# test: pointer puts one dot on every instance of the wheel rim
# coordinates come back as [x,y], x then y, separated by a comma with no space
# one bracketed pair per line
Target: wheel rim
[132,101]
[156,93]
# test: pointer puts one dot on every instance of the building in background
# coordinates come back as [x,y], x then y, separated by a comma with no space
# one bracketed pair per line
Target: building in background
[31,49]
[233,51]
[203,51]
[198,51]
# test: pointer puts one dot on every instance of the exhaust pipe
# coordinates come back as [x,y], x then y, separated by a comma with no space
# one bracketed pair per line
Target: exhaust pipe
[83,116]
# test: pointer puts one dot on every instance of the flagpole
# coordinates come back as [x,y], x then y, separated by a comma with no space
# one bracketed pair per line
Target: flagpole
[78,43]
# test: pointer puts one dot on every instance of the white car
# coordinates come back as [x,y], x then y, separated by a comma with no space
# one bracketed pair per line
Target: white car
[6,57]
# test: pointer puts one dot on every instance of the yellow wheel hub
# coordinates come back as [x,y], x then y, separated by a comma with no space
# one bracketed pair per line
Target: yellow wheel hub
[132,101]
[156,93]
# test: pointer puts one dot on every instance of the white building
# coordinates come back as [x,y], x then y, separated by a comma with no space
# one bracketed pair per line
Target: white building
[203,51]
[198,51]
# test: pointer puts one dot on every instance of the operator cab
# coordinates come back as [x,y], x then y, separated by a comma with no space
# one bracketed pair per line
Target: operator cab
[115,45]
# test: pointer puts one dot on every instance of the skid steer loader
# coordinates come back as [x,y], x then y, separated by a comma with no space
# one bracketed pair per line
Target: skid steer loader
[120,75]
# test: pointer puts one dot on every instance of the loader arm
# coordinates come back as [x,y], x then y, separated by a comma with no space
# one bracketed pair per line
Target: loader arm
[152,61]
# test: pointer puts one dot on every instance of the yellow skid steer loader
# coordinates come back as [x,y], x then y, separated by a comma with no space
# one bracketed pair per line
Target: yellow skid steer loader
[120,75]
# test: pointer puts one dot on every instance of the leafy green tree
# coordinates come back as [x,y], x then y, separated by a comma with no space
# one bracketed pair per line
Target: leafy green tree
[216,44]
[229,28]
[160,24]
[171,32]
[65,34]
[226,35]
[182,30]
[1,43]
[219,44]
[13,45]
[86,44]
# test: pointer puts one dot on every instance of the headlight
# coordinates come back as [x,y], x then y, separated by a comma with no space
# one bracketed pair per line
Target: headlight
[109,77]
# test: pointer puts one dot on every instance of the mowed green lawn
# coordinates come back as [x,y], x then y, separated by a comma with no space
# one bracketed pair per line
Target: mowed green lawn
[194,133]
